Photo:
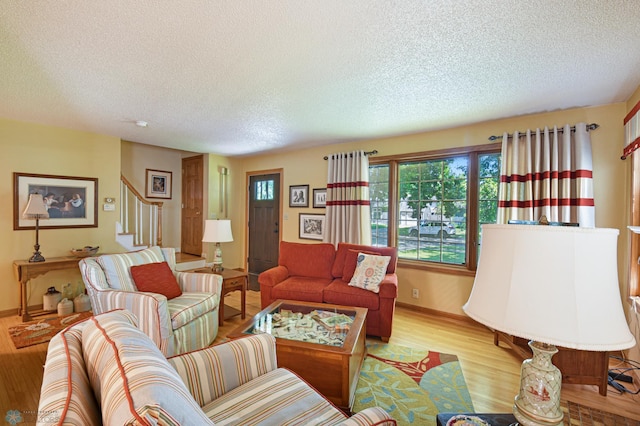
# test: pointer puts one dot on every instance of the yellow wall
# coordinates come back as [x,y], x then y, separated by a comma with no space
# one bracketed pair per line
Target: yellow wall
[136,158]
[232,252]
[445,292]
[33,148]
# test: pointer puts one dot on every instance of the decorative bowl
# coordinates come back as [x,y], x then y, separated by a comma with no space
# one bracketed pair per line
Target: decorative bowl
[85,251]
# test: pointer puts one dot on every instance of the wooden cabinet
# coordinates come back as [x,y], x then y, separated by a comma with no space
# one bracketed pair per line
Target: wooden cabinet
[577,367]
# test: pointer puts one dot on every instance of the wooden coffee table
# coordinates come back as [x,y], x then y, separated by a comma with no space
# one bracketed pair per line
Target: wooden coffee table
[332,370]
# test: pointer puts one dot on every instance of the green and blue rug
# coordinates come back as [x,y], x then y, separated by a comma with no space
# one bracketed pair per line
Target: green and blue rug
[412,385]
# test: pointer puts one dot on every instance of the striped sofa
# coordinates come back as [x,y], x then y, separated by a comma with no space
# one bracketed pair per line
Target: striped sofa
[181,324]
[104,370]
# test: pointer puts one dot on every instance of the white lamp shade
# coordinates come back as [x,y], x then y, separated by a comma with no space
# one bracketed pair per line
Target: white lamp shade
[35,207]
[217,231]
[552,284]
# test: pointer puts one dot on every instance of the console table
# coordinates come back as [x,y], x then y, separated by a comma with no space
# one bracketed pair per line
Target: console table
[25,270]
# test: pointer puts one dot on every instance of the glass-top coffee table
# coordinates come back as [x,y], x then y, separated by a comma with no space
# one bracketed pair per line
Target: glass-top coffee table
[323,343]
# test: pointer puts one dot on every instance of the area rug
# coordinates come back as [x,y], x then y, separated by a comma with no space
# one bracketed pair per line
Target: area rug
[42,330]
[412,385]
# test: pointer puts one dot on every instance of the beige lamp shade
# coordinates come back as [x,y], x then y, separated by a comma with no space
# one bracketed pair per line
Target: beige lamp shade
[551,284]
[35,207]
[217,231]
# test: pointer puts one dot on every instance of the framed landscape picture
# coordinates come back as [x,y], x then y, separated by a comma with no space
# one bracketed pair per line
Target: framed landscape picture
[311,226]
[319,198]
[299,196]
[71,202]
[158,184]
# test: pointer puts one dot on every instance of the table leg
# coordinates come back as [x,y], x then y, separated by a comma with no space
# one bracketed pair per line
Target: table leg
[243,298]
[24,304]
[221,310]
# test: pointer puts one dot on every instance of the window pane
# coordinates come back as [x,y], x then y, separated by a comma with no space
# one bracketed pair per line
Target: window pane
[489,178]
[379,196]
[431,204]
[432,210]
[264,190]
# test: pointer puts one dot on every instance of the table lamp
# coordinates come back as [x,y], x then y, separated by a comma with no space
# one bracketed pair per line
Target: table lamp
[36,210]
[555,286]
[217,231]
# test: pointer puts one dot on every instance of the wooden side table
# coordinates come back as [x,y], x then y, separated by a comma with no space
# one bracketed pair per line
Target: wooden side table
[232,280]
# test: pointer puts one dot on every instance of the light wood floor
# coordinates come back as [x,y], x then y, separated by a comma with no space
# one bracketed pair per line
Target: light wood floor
[492,373]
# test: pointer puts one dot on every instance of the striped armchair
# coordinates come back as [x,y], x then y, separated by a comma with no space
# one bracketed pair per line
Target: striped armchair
[104,370]
[177,325]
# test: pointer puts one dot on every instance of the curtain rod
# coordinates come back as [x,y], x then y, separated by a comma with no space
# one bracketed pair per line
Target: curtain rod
[591,126]
[374,152]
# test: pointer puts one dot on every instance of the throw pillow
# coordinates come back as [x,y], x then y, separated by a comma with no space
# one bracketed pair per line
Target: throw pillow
[351,261]
[156,278]
[370,272]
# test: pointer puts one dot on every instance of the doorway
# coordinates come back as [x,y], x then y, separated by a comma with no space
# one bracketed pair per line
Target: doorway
[192,205]
[264,225]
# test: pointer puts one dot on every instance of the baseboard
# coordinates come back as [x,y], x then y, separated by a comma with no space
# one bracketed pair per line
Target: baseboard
[15,311]
[446,315]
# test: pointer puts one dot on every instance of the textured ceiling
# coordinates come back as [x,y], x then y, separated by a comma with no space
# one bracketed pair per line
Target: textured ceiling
[243,77]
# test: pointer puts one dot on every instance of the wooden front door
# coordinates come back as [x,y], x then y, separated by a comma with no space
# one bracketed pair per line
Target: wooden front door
[192,205]
[264,225]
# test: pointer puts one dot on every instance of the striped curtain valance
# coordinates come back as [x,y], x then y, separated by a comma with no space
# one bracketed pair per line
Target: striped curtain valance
[547,172]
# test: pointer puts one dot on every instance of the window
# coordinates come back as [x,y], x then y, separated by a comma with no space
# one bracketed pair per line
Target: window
[264,190]
[431,205]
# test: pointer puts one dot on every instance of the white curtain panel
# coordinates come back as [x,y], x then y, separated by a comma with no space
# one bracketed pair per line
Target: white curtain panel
[547,172]
[348,206]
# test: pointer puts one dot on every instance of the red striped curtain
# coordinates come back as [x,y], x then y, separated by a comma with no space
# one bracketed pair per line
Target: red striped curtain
[348,208]
[631,131]
[547,172]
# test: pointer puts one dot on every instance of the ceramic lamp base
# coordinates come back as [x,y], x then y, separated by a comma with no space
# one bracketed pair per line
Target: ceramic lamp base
[538,402]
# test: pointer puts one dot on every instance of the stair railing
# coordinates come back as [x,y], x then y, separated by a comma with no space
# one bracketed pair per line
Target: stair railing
[140,217]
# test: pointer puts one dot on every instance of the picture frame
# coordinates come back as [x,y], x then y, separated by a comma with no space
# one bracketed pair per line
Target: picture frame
[311,226]
[299,196]
[72,201]
[319,198]
[158,184]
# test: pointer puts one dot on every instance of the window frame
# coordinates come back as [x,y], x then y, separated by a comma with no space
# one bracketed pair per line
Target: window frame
[473,153]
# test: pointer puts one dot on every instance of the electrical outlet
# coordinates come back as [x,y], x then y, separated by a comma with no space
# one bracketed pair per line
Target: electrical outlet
[416,293]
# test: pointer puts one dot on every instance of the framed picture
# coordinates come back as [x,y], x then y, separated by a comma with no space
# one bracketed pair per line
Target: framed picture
[299,196]
[72,202]
[319,198]
[158,184]
[311,226]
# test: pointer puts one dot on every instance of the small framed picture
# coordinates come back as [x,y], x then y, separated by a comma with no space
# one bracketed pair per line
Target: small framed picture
[311,226]
[158,184]
[299,196]
[319,198]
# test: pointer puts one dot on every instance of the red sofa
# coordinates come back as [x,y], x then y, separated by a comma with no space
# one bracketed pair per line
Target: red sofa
[320,273]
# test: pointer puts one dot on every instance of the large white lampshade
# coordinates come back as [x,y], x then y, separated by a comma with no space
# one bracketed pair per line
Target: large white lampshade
[554,285]
[217,231]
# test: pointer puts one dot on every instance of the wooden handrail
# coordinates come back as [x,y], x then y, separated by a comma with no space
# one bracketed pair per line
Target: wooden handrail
[139,196]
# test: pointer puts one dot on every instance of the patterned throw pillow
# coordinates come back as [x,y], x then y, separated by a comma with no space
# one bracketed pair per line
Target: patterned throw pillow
[350,263]
[370,272]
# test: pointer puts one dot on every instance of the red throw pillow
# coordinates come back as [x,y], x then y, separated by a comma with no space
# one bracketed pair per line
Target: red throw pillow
[156,278]
[351,261]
